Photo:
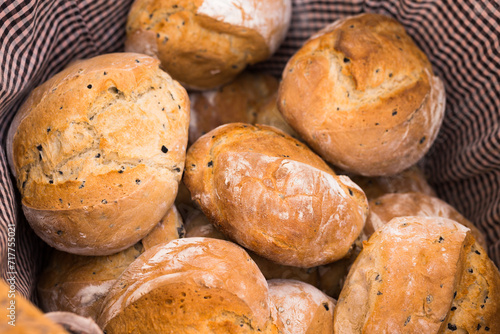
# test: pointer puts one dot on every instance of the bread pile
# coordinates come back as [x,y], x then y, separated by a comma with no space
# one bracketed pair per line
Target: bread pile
[293,193]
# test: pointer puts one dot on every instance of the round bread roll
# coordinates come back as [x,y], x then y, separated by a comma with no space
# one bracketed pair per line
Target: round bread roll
[238,101]
[206,43]
[19,316]
[192,285]
[409,180]
[363,96]
[420,275]
[78,284]
[389,206]
[98,151]
[274,196]
[302,308]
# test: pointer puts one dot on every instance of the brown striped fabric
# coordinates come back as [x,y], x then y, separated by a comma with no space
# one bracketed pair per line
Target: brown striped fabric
[461,38]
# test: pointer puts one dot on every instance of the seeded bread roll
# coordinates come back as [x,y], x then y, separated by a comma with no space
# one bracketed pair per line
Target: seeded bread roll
[19,316]
[302,308]
[78,284]
[389,206]
[238,101]
[363,96]
[206,43]
[98,151]
[409,180]
[192,285]
[273,195]
[420,275]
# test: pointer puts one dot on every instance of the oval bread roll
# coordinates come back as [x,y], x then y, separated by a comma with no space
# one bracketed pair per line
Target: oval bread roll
[302,308]
[363,96]
[206,43]
[389,206]
[191,285]
[420,275]
[98,151]
[79,284]
[274,196]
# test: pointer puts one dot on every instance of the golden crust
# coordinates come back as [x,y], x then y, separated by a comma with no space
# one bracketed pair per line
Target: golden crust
[363,96]
[389,206]
[90,185]
[202,43]
[208,284]
[25,316]
[302,308]
[410,274]
[409,180]
[273,195]
[169,228]
[238,101]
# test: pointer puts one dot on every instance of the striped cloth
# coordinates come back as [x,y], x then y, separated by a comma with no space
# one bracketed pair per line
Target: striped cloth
[461,38]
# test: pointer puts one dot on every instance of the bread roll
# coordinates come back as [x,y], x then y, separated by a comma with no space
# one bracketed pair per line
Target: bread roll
[78,284]
[274,196]
[98,151]
[384,208]
[420,275]
[238,101]
[302,308]
[268,114]
[206,43]
[19,316]
[363,96]
[409,180]
[192,285]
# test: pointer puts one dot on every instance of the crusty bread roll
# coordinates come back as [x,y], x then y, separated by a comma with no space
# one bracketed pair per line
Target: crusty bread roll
[420,275]
[363,95]
[389,206]
[19,316]
[302,308]
[238,101]
[206,43]
[269,114]
[273,195]
[409,180]
[191,285]
[78,284]
[98,151]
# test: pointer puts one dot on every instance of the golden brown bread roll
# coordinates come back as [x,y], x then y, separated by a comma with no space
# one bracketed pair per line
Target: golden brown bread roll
[98,151]
[78,284]
[19,316]
[363,96]
[409,180]
[386,207]
[206,43]
[273,195]
[238,101]
[420,275]
[191,285]
[302,308]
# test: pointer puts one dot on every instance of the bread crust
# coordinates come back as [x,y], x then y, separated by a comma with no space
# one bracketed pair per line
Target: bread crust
[89,184]
[206,43]
[302,308]
[273,195]
[410,274]
[363,96]
[190,285]
[389,206]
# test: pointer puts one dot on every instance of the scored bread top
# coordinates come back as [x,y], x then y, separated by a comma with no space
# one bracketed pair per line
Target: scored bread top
[363,96]
[407,276]
[273,195]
